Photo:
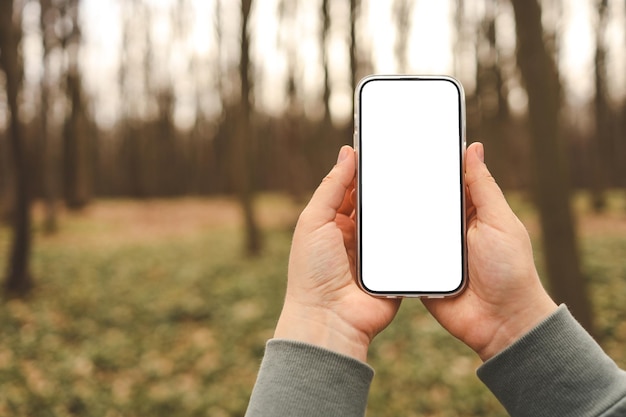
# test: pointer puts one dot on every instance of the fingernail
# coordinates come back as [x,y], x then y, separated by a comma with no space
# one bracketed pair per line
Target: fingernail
[344,152]
[480,151]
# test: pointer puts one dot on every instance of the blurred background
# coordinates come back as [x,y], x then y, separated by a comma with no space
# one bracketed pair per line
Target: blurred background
[155,155]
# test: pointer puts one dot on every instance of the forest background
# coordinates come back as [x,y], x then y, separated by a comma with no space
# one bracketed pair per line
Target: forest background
[154,156]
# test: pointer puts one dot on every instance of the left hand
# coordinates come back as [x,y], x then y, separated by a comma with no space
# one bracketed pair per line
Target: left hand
[324,306]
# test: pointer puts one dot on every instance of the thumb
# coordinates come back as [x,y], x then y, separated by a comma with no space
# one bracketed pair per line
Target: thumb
[330,194]
[485,194]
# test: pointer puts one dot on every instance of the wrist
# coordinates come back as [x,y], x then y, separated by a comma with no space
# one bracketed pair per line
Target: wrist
[516,325]
[321,327]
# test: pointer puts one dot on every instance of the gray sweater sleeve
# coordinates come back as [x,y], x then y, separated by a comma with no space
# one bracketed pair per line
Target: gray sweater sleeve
[297,379]
[556,369]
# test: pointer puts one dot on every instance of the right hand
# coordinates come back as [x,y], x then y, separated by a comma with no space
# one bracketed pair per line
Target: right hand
[504,298]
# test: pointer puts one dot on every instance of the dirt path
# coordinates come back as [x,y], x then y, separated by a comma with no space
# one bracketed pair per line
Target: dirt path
[119,221]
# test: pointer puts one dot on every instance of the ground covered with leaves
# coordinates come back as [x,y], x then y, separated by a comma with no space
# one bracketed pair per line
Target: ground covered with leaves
[149,308]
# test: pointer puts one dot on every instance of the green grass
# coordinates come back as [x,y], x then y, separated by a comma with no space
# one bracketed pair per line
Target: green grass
[169,327]
[175,324]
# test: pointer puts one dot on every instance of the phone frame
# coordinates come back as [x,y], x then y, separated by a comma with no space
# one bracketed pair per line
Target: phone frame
[462,186]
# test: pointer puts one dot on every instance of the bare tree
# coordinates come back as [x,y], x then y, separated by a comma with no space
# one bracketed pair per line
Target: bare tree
[621,137]
[491,91]
[354,10]
[244,139]
[219,35]
[224,142]
[324,49]
[360,57]
[552,191]
[47,22]
[291,134]
[76,151]
[135,24]
[599,144]
[401,12]
[18,280]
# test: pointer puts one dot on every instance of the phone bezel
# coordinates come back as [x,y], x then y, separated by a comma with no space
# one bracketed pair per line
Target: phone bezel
[462,148]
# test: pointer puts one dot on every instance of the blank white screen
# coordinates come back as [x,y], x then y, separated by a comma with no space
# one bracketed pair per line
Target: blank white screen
[410,147]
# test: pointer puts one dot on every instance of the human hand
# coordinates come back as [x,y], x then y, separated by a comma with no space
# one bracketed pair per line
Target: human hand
[504,298]
[323,304]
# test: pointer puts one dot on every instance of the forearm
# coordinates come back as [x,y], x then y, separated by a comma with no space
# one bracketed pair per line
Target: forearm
[298,379]
[556,369]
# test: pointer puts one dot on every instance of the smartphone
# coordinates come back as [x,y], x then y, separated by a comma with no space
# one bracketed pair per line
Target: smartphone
[410,212]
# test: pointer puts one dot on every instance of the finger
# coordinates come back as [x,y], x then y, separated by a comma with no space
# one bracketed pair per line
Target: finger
[485,194]
[331,193]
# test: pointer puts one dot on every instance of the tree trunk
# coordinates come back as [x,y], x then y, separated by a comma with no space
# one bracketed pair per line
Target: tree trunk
[599,144]
[76,152]
[325,138]
[551,182]
[490,91]
[244,149]
[324,49]
[45,151]
[621,139]
[7,181]
[18,280]
[401,15]
[354,6]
